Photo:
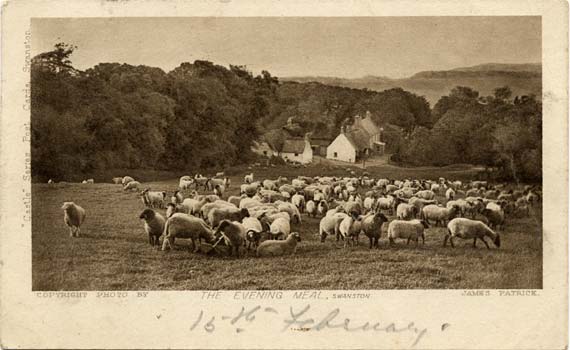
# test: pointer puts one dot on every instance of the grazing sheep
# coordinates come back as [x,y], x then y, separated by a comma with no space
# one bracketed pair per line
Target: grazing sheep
[410,230]
[330,224]
[73,217]
[177,198]
[278,248]
[496,217]
[185,226]
[153,225]
[388,203]
[322,208]
[291,209]
[347,230]
[117,180]
[153,199]
[425,194]
[466,229]
[439,214]
[254,229]
[248,178]
[217,215]
[211,184]
[126,180]
[311,209]
[299,201]
[450,194]
[280,227]
[233,234]
[406,211]
[372,227]
[269,185]
[219,190]
[131,185]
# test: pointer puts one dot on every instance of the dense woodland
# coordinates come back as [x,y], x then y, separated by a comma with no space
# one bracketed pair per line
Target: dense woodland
[203,115]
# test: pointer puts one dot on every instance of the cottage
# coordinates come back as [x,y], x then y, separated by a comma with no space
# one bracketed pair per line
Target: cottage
[297,150]
[361,139]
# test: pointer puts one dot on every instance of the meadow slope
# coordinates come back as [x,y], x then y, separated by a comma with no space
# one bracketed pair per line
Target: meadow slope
[113,252]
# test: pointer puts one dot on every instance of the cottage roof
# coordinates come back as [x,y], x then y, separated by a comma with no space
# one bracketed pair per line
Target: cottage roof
[366,124]
[358,138]
[294,146]
[320,141]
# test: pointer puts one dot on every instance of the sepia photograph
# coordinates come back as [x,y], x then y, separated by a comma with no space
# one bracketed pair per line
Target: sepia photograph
[286,153]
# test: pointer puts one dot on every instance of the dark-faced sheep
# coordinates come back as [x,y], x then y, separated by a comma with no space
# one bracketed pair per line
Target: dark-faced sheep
[233,234]
[153,225]
[73,216]
[409,230]
[217,215]
[372,227]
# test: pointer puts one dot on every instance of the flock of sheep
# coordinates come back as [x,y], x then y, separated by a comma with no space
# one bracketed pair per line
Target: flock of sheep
[262,215]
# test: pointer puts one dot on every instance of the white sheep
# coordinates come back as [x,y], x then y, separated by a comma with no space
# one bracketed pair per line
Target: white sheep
[185,226]
[369,203]
[329,224]
[438,214]
[126,180]
[131,185]
[219,190]
[466,229]
[280,227]
[153,199]
[322,208]
[278,248]
[410,230]
[117,180]
[73,216]
[406,211]
[346,228]
[450,194]
[153,225]
[177,198]
[311,209]
[299,201]
[425,194]
[248,178]
[291,209]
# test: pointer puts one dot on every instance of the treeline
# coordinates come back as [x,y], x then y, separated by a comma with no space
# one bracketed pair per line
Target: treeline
[122,116]
[202,115]
[498,131]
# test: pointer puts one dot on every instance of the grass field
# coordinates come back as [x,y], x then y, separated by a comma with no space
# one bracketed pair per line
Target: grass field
[113,252]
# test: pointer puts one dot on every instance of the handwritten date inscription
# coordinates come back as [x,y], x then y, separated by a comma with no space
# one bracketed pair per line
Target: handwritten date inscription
[303,320]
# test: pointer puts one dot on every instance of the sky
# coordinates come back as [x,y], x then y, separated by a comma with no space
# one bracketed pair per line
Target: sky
[347,47]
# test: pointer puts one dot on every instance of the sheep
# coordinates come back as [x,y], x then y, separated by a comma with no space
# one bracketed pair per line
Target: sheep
[438,214]
[249,189]
[50,182]
[126,180]
[185,182]
[425,194]
[420,203]
[279,228]
[177,198]
[235,200]
[372,227]
[211,184]
[406,211]
[227,182]
[90,181]
[369,203]
[410,230]
[233,234]
[322,208]
[73,216]
[450,194]
[254,229]
[466,229]
[278,248]
[346,228]
[248,178]
[269,185]
[131,185]
[311,209]
[153,199]
[330,224]
[117,180]
[291,210]
[387,203]
[153,225]
[220,174]
[219,190]
[217,215]
[185,226]
[299,201]
[495,216]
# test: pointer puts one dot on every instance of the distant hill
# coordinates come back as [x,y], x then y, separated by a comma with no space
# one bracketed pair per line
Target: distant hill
[523,79]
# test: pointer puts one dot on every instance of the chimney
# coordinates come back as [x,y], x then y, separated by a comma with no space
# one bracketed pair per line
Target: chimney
[342,129]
